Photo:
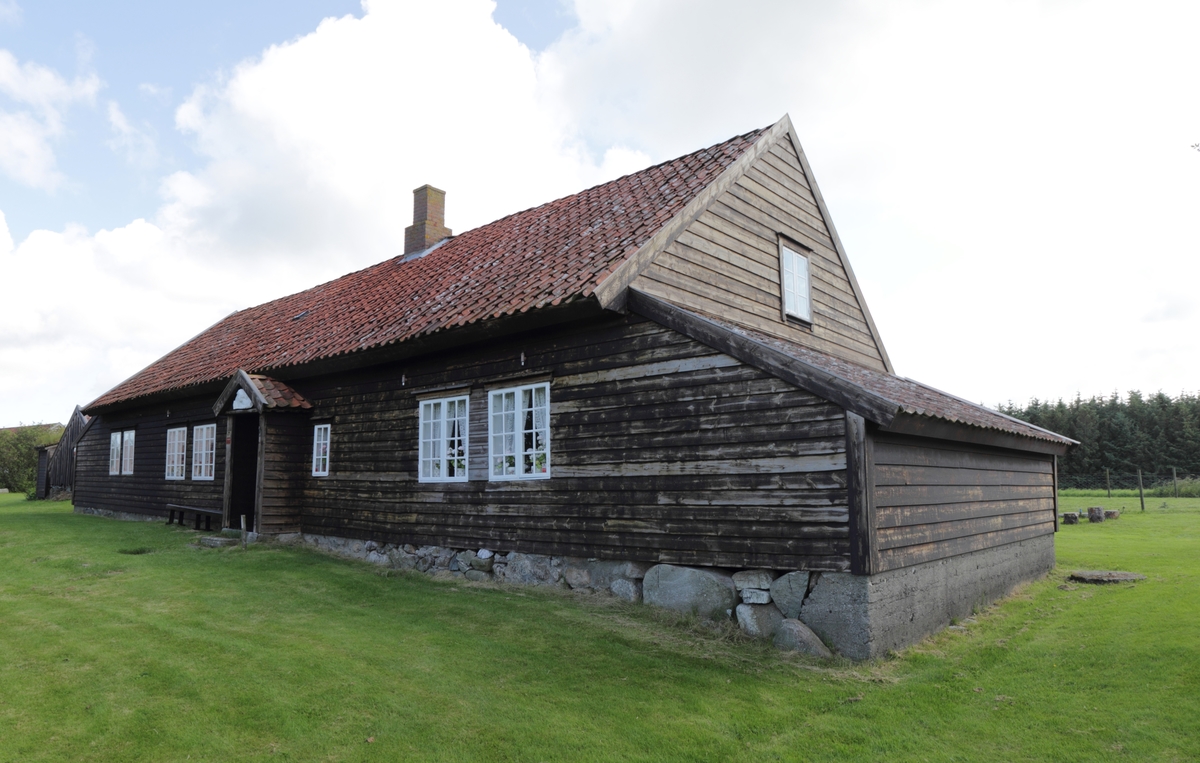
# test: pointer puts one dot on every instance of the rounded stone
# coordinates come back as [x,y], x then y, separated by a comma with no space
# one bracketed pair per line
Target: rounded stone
[708,594]
[788,592]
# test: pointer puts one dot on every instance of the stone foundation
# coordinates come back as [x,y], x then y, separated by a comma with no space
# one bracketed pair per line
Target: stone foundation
[124,516]
[865,616]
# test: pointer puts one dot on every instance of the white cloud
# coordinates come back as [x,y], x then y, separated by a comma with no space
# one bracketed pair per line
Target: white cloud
[135,143]
[10,12]
[27,132]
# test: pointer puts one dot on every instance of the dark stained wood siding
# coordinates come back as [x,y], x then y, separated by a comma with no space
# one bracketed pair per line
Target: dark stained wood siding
[147,491]
[727,262]
[934,499]
[662,450]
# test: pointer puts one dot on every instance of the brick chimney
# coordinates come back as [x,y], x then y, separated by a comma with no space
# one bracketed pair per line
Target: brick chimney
[429,218]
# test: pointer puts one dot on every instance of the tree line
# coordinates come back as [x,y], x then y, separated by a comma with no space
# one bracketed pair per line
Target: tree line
[1152,433]
[18,454]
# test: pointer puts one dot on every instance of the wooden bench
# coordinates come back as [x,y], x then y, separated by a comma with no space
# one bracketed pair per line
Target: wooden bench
[175,511]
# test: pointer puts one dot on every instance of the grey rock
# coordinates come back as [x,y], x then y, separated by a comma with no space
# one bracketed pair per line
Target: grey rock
[577,577]
[289,539]
[402,560]
[485,554]
[482,563]
[374,557]
[529,569]
[477,576]
[755,596]
[424,564]
[410,548]
[788,592]
[795,636]
[759,620]
[753,579]
[629,590]
[1070,518]
[1112,514]
[370,546]
[464,559]
[217,541]
[707,593]
[1095,514]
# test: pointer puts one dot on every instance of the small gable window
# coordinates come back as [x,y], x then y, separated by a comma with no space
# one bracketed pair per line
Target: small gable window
[320,460]
[443,451]
[120,452]
[795,276]
[176,453]
[519,437]
[204,452]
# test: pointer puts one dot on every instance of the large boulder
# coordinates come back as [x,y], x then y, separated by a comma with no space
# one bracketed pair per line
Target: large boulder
[528,569]
[795,636]
[788,591]
[759,620]
[706,593]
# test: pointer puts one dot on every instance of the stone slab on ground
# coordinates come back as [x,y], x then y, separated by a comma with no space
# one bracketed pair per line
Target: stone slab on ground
[788,592]
[1112,514]
[1070,518]
[1095,514]
[1105,576]
[795,636]
[759,620]
[706,593]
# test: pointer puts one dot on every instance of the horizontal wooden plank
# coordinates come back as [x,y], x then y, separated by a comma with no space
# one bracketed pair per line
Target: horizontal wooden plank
[899,516]
[912,555]
[928,495]
[915,535]
[893,474]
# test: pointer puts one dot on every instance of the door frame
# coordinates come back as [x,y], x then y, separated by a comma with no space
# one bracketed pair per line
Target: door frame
[227,519]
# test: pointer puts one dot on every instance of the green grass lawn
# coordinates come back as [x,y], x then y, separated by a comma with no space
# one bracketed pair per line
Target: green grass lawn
[181,653]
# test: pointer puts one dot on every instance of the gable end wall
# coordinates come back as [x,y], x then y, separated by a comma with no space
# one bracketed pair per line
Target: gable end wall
[726,263]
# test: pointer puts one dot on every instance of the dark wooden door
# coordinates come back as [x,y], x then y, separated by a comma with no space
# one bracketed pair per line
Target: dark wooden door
[243,471]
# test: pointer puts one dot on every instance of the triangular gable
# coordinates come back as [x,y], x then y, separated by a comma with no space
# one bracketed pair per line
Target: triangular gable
[257,393]
[721,254]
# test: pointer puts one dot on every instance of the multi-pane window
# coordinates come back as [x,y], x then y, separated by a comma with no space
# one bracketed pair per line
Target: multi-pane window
[796,298]
[320,460]
[443,456]
[114,453]
[519,437]
[176,453]
[204,451]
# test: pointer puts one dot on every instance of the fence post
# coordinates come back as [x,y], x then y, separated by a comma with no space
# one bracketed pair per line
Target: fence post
[1108,483]
[1141,495]
[1175,481]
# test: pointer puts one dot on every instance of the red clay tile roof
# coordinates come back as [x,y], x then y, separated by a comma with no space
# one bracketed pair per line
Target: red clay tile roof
[908,395]
[547,255]
[277,394]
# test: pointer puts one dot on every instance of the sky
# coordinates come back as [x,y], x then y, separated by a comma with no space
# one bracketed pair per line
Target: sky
[1017,184]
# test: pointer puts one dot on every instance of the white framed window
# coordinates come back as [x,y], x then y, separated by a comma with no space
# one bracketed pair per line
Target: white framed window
[794,274]
[176,453]
[114,453]
[320,462]
[444,441]
[127,451]
[519,434]
[204,452]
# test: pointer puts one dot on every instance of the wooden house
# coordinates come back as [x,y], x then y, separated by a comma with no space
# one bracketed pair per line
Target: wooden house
[56,462]
[674,367]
